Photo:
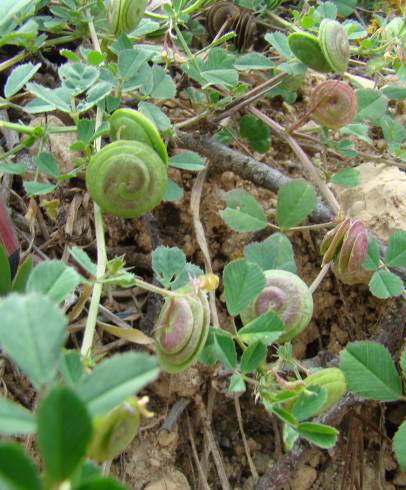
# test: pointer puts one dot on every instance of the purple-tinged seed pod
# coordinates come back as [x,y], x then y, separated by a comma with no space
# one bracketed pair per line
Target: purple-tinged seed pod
[289,297]
[332,241]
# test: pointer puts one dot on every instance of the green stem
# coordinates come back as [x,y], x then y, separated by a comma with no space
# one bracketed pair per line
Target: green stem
[97,288]
[193,7]
[321,275]
[19,128]
[100,240]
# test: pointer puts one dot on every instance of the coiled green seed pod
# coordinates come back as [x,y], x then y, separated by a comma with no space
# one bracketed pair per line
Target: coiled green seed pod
[125,15]
[128,124]
[333,380]
[126,178]
[289,297]
[329,52]
[113,432]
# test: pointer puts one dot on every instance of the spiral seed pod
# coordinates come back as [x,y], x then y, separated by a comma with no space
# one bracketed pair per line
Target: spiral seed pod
[125,15]
[346,247]
[113,432]
[182,330]
[334,44]
[126,178]
[241,21]
[333,380]
[289,297]
[335,104]
[307,49]
[128,124]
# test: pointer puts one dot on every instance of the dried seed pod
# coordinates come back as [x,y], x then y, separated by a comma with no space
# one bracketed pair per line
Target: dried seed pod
[334,44]
[335,104]
[182,329]
[113,432]
[289,297]
[125,15]
[241,21]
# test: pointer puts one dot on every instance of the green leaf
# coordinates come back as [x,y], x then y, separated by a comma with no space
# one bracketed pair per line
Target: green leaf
[64,431]
[208,355]
[267,328]
[187,160]
[223,78]
[173,192]
[32,333]
[275,252]
[54,279]
[237,384]
[372,260]
[284,415]
[115,379]
[393,132]
[155,115]
[13,168]
[46,163]
[59,98]
[81,257]
[253,357]
[95,94]
[290,436]
[17,471]
[396,252]
[243,213]
[348,177]
[385,284]
[101,483]
[130,62]
[5,272]
[371,105]
[403,362]
[280,43]
[167,263]
[243,281]
[225,348]
[296,200]
[253,61]
[21,278]
[256,132]
[321,435]
[395,92]
[71,367]
[33,188]
[15,419]
[345,7]
[307,405]
[163,86]
[78,77]
[370,371]
[399,445]
[19,77]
